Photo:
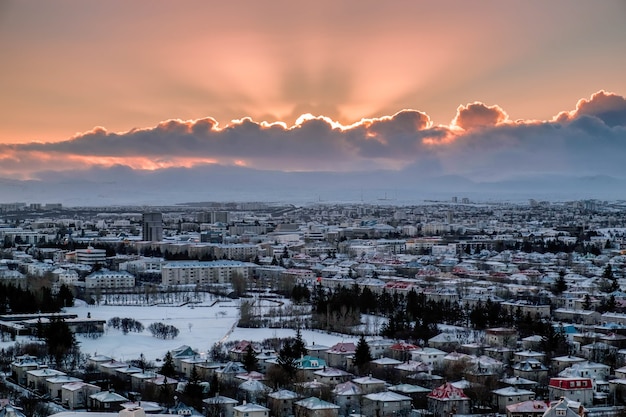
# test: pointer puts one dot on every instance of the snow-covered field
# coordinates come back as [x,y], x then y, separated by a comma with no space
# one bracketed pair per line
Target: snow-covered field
[200,327]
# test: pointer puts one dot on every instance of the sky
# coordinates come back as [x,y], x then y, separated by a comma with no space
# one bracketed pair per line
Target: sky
[453,87]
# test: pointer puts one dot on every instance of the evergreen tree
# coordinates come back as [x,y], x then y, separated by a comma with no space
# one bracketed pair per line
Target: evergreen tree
[165,394]
[299,347]
[560,285]
[250,361]
[287,361]
[193,389]
[362,354]
[59,340]
[553,341]
[168,368]
[65,296]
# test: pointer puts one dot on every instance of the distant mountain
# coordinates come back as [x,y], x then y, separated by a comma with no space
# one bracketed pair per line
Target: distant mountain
[121,185]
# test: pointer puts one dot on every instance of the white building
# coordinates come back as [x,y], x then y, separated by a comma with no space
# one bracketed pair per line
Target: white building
[66,276]
[198,272]
[89,256]
[109,279]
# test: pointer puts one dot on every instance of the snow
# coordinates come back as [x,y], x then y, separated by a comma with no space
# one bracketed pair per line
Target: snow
[200,326]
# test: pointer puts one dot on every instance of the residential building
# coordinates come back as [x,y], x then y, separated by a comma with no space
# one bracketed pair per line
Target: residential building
[197,272]
[574,388]
[105,279]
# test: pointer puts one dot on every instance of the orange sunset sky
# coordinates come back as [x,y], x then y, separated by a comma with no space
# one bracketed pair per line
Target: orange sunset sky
[68,66]
[482,90]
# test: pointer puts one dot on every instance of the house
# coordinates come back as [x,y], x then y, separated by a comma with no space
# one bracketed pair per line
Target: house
[367,384]
[386,403]
[504,397]
[312,388]
[219,405]
[76,394]
[446,400]
[531,369]
[307,365]
[263,359]
[426,379]
[380,347]
[125,374]
[21,365]
[106,400]
[518,382]
[531,342]
[385,363]
[332,376]
[418,394]
[151,381]
[109,367]
[338,354]
[181,353]
[429,355]
[204,368]
[561,362]
[253,390]
[500,353]
[448,341]
[524,308]
[575,388]
[281,402]
[149,407]
[315,407]
[587,317]
[228,371]
[250,410]
[564,408]
[318,351]
[94,361]
[523,355]
[401,350]
[54,384]
[36,378]
[598,351]
[239,351]
[348,397]
[501,337]
[531,408]
[412,367]
[595,371]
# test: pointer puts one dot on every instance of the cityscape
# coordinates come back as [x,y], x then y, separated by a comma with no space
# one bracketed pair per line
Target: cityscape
[448,307]
[312,209]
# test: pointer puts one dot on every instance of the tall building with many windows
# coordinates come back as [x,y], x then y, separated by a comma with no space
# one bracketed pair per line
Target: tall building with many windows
[152,226]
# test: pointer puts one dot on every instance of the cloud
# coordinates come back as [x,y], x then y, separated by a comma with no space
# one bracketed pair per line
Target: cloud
[478,115]
[610,108]
[481,143]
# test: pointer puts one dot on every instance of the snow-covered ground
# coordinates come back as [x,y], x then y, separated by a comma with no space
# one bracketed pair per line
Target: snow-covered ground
[200,326]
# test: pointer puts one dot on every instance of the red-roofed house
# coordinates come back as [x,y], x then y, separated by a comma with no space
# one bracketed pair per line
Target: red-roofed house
[402,350]
[238,351]
[338,354]
[447,399]
[532,408]
[574,388]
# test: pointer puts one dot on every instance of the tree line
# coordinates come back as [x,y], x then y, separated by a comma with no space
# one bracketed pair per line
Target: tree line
[17,300]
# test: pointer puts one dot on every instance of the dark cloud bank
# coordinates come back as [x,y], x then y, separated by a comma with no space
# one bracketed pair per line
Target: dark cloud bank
[402,158]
